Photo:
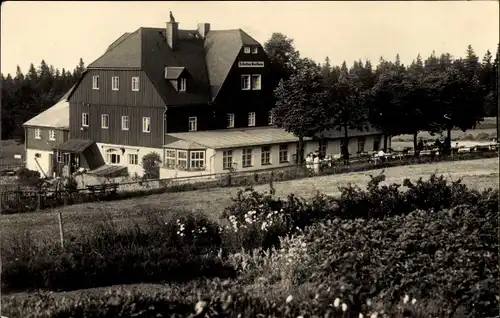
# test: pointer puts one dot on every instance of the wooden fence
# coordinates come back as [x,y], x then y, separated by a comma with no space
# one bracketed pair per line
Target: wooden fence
[33,200]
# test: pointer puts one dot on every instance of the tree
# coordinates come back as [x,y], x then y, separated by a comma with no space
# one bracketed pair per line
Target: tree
[326,68]
[80,68]
[282,57]
[345,107]
[151,165]
[299,108]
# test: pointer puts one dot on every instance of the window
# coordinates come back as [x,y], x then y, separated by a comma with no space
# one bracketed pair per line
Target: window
[193,123]
[85,119]
[256,80]
[52,134]
[125,123]
[230,120]
[246,158]
[283,153]
[245,82]
[197,159]
[104,121]
[246,49]
[270,119]
[135,84]
[227,160]
[182,84]
[251,119]
[323,145]
[265,156]
[133,159]
[38,133]
[361,144]
[146,124]
[115,83]
[112,156]
[66,157]
[182,160]
[95,82]
[170,158]
[255,50]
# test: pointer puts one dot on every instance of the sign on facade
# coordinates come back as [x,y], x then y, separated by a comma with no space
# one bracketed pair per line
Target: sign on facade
[250,64]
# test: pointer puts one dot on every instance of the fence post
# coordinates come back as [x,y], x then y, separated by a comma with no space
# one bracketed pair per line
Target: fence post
[61,229]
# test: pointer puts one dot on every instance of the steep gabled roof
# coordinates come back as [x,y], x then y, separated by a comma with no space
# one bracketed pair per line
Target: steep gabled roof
[56,116]
[206,62]
[124,53]
[222,48]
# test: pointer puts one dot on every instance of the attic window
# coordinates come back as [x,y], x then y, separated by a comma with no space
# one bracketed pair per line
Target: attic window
[255,50]
[182,84]
[246,49]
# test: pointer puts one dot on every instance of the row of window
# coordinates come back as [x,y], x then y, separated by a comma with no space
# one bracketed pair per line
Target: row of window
[125,122]
[52,134]
[251,82]
[115,83]
[247,158]
[248,49]
[115,158]
[179,159]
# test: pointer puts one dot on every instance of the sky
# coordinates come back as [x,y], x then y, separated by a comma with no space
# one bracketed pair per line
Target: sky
[61,32]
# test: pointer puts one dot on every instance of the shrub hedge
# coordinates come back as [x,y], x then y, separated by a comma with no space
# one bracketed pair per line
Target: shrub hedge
[435,241]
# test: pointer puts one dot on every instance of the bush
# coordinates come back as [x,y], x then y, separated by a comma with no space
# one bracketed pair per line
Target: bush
[150,164]
[26,177]
[107,255]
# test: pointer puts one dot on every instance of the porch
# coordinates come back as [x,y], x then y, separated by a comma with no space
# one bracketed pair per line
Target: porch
[74,154]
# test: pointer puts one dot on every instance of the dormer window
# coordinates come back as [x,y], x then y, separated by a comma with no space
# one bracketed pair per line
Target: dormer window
[255,50]
[182,84]
[246,49]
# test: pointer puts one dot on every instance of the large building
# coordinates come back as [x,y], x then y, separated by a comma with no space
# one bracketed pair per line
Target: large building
[198,98]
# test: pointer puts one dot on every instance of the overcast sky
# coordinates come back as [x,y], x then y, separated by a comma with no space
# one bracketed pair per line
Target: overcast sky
[62,32]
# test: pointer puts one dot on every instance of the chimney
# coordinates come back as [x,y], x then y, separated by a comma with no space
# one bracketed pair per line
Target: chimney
[203,29]
[172,34]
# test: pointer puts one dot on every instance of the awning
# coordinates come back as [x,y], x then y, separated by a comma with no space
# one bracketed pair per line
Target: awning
[74,145]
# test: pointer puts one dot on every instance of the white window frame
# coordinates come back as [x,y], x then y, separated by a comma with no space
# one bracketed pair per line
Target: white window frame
[115,83]
[146,124]
[227,160]
[133,159]
[193,123]
[110,153]
[197,162]
[52,134]
[283,154]
[246,49]
[38,133]
[247,79]
[104,121]
[270,118]
[258,86]
[183,160]
[230,120]
[255,50]
[251,119]
[125,120]
[265,155]
[95,82]
[85,119]
[182,84]
[170,158]
[135,84]
[246,157]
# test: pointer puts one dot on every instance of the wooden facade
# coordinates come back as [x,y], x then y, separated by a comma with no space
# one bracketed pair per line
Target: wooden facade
[114,134]
[147,95]
[44,143]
